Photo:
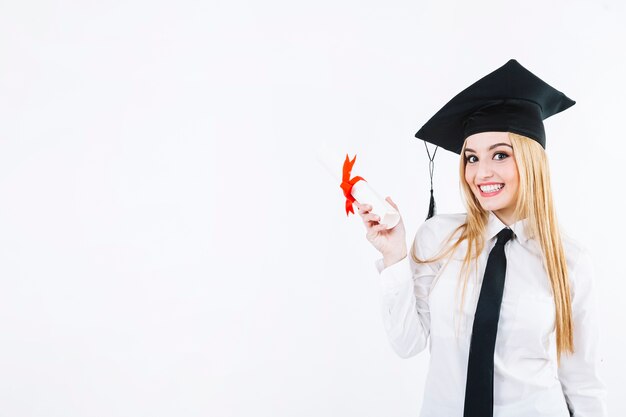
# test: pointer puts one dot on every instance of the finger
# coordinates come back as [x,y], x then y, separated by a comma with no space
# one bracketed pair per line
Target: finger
[364,208]
[378,228]
[370,225]
[371,217]
[392,203]
[375,229]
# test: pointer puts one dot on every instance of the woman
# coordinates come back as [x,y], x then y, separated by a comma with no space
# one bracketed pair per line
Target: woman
[506,300]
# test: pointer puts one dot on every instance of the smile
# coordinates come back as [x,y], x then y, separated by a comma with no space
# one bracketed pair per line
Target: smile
[490,190]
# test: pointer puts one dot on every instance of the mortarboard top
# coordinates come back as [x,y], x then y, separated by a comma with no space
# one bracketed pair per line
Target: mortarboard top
[509,99]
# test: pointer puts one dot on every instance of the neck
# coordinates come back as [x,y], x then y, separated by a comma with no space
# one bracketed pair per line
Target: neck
[505,217]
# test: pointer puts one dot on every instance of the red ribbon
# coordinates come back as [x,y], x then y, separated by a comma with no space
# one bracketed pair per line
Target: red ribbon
[347,183]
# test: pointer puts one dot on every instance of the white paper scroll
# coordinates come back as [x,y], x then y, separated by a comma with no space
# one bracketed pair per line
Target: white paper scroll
[333,161]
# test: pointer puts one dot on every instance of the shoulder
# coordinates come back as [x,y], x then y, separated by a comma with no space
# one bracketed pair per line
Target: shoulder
[447,219]
[435,231]
[443,223]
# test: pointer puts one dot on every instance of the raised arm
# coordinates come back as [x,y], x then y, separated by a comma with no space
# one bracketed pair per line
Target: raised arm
[404,299]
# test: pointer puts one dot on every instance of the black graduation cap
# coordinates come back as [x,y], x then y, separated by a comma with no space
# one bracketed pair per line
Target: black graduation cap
[510,99]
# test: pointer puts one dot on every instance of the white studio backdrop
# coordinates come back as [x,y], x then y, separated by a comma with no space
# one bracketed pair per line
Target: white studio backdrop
[170,246]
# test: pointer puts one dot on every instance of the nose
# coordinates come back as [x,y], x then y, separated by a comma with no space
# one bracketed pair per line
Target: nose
[484,170]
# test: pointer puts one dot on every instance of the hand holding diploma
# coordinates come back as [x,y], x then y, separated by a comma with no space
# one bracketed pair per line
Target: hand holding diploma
[357,189]
[385,229]
[391,243]
[390,240]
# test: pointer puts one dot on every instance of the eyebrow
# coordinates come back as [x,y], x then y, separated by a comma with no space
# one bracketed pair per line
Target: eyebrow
[491,147]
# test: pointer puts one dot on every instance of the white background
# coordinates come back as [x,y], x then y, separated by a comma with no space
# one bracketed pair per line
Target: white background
[170,246]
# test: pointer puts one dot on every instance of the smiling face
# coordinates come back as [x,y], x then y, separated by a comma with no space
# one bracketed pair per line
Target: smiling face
[491,173]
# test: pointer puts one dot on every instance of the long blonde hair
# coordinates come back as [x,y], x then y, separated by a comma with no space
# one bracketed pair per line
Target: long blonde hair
[534,202]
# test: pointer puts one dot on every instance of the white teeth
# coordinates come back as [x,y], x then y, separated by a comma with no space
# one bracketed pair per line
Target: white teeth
[491,188]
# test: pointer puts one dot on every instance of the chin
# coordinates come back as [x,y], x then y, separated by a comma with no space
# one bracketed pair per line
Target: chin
[491,206]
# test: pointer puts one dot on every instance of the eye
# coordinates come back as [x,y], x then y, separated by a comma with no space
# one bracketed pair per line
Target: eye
[504,156]
[469,160]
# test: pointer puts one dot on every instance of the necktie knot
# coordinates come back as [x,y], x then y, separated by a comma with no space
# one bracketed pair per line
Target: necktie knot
[504,236]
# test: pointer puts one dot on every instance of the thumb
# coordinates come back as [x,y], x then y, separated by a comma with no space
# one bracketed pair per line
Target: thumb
[392,203]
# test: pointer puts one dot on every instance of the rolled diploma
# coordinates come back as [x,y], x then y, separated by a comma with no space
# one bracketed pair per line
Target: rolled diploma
[361,190]
[365,194]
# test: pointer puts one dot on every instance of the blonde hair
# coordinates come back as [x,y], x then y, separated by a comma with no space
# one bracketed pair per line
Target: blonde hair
[534,202]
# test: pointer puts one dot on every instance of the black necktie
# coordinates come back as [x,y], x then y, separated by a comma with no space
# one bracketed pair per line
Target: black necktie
[479,385]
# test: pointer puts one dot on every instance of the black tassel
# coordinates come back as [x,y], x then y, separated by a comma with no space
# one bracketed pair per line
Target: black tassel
[432,209]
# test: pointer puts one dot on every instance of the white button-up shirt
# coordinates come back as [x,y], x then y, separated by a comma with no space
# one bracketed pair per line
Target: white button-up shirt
[420,302]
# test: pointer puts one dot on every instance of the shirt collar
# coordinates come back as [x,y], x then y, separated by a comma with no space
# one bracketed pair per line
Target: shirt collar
[494,225]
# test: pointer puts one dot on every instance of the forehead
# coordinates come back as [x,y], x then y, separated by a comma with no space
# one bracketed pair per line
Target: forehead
[483,140]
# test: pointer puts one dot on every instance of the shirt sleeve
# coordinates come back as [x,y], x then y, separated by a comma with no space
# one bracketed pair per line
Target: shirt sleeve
[585,391]
[404,288]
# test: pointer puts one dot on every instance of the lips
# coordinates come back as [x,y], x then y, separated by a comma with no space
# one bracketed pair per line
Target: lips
[490,189]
